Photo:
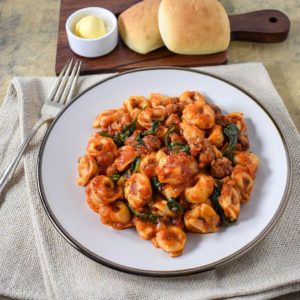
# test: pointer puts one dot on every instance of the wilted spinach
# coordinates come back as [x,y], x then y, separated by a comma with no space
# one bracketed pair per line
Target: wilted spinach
[156,184]
[145,216]
[153,129]
[232,133]
[105,134]
[140,140]
[175,146]
[133,169]
[135,165]
[115,177]
[174,206]
[179,147]
[218,208]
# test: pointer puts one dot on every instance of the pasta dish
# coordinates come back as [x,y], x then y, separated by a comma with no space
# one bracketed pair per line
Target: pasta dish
[167,166]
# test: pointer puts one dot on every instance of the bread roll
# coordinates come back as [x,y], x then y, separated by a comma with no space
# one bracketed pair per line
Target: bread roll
[194,26]
[138,26]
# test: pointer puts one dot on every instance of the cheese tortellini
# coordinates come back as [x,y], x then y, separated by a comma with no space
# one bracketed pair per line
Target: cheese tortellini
[138,191]
[166,166]
[176,169]
[112,120]
[134,105]
[148,115]
[103,190]
[87,168]
[202,189]
[170,239]
[200,115]
[116,215]
[202,218]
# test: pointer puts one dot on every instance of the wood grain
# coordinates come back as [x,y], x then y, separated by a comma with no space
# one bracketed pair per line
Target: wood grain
[122,58]
[256,26]
[268,26]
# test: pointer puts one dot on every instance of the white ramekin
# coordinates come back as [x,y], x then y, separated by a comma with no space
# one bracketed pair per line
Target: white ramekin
[93,47]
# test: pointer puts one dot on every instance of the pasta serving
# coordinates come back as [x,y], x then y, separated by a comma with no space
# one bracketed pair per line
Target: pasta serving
[167,166]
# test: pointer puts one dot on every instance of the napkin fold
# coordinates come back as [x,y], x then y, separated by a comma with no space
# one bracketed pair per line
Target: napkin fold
[37,263]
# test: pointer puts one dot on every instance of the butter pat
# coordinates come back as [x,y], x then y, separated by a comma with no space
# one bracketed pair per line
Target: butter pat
[90,27]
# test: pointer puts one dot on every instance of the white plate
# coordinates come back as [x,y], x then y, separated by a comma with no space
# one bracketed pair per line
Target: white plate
[65,203]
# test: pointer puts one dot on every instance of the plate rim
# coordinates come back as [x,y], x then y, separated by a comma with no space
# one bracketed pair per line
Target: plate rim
[152,273]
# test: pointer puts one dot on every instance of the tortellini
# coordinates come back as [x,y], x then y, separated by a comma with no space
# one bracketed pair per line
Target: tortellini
[138,191]
[189,97]
[248,160]
[166,166]
[238,119]
[191,132]
[200,192]
[146,117]
[243,181]
[116,215]
[148,165]
[126,157]
[134,105]
[171,239]
[161,208]
[87,168]
[103,149]
[216,136]
[202,218]
[176,169]
[146,230]
[200,115]
[171,191]
[230,200]
[112,120]
[103,189]
[157,99]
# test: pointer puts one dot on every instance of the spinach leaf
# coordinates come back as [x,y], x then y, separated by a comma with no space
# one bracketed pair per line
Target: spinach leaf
[105,134]
[232,133]
[140,140]
[145,216]
[156,184]
[127,131]
[175,146]
[179,147]
[133,169]
[218,208]
[115,177]
[167,135]
[153,129]
[123,177]
[174,206]
[135,165]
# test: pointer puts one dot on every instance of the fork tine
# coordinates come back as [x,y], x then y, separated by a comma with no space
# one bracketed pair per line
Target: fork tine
[69,83]
[74,83]
[63,82]
[58,80]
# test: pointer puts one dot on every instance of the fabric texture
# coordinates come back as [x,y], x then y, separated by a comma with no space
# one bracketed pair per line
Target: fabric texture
[37,263]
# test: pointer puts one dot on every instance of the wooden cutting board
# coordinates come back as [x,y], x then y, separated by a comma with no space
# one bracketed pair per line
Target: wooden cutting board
[260,26]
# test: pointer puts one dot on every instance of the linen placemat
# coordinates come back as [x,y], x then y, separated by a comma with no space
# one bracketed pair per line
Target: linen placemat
[37,263]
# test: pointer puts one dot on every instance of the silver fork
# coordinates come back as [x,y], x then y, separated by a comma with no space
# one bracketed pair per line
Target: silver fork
[60,95]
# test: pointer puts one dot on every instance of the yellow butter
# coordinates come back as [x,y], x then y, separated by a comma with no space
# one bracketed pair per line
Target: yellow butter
[90,27]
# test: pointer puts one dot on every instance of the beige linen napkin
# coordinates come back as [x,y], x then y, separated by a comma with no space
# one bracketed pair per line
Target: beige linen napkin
[37,263]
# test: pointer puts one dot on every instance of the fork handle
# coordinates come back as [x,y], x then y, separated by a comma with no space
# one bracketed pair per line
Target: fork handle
[9,171]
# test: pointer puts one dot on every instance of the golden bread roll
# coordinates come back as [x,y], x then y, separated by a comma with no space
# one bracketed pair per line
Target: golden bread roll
[194,26]
[138,26]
